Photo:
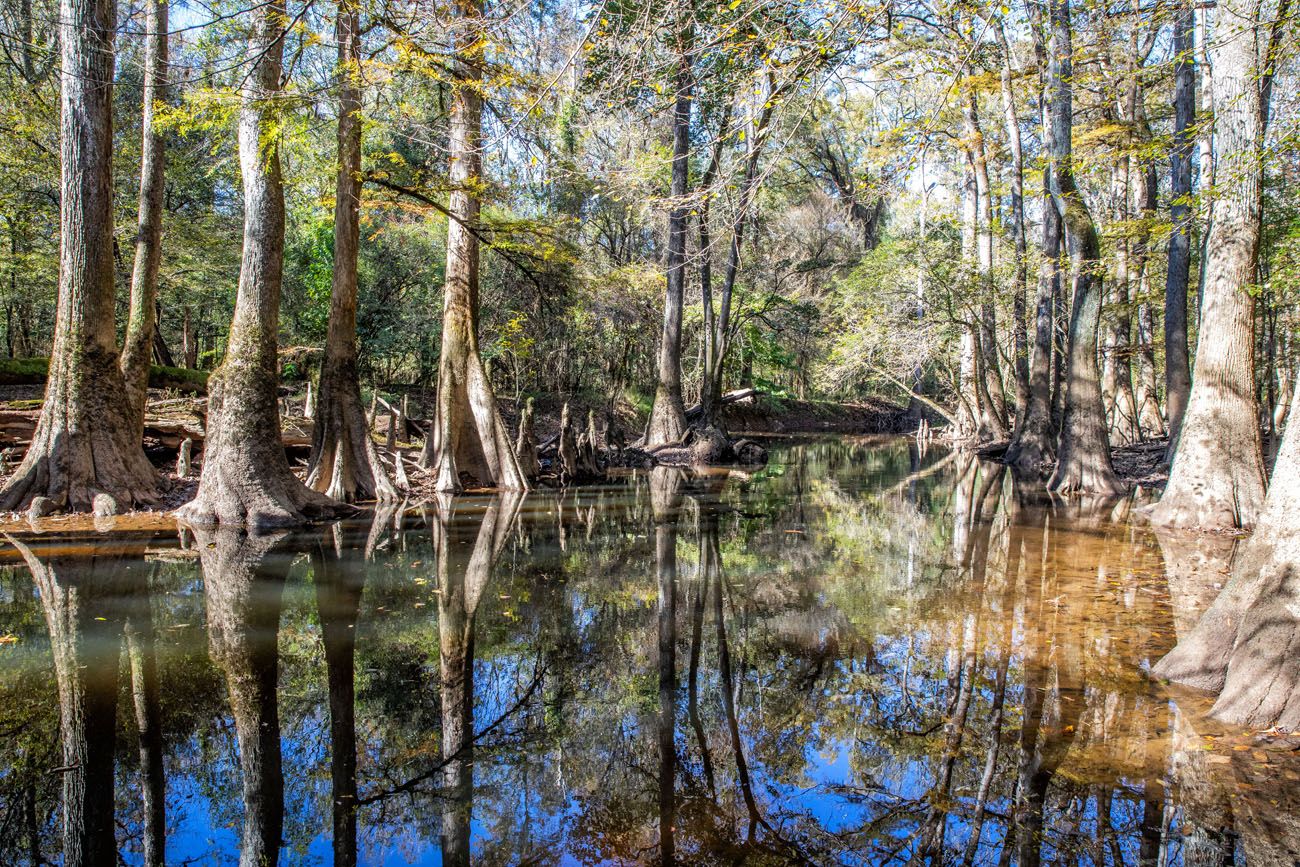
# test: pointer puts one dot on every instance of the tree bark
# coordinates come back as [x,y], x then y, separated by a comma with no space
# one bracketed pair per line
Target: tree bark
[344,461]
[246,478]
[1019,342]
[85,444]
[1217,477]
[1083,455]
[469,437]
[141,323]
[1246,646]
[668,413]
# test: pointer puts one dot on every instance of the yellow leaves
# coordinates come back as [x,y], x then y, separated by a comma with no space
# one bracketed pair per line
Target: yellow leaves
[8,638]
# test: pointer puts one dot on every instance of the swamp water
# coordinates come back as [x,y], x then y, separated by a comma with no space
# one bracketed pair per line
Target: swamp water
[860,654]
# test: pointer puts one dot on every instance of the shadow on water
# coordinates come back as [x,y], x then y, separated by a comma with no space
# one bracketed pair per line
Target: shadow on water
[864,653]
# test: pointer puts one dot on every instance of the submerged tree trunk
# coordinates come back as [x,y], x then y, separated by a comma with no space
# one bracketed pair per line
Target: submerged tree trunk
[141,323]
[668,413]
[344,461]
[1217,477]
[469,438]
[1083,454]
[246,478]
[243,579]
[86,444]
[1246,646]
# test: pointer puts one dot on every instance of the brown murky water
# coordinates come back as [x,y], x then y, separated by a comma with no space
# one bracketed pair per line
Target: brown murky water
[861,654]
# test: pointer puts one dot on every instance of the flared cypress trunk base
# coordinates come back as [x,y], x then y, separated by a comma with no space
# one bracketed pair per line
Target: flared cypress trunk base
[345,463]
[246,480]
[84,446]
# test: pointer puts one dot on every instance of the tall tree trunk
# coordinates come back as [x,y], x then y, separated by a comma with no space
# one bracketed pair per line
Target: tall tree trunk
[1217,477]
[993,408]
[1033,444]
[1020,301]
[1119,343]
[709,345]
[1083,454]
[667,414]
[344,462]
[469,436]
[1178,372]
[719,338]
[141,323]
[1150,421]
[243,580]
[85,444]
[246,478]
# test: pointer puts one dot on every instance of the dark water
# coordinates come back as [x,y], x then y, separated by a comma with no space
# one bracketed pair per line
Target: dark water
[859,655]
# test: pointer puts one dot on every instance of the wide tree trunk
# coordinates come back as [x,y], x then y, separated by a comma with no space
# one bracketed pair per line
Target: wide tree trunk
[246,478]
[1034,443]
[141,323]
[1083,454]
[1217,477]
[243,579]
[668,413]
[85,444]
[469,437]
[344,461]
[1246,646]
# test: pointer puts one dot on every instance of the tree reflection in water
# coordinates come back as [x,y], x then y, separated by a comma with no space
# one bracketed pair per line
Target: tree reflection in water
[860,654]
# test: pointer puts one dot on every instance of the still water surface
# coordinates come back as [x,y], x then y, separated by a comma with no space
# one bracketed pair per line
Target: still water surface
[861,654]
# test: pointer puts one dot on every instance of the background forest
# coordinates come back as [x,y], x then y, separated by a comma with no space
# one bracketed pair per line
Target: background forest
[869,164]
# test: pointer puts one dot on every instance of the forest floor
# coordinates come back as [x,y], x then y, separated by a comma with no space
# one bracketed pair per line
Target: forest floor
[1140,465]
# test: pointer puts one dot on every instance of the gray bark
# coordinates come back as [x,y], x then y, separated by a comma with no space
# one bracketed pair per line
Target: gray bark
[141,324]
[469,438]
[246,478]
[1083,454]
[1217,477]
[85,443]
[344,461]
[668,413]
